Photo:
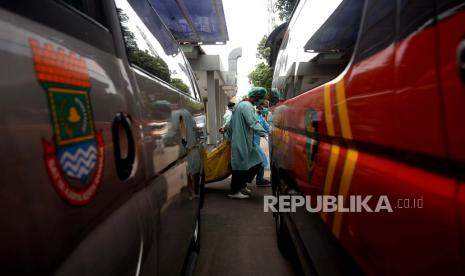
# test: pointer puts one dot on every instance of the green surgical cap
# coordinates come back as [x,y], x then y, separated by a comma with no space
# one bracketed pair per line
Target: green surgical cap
[257,92]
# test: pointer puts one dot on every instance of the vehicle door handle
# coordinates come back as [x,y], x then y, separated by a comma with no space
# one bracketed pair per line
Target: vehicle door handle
[461,60]
[123,145]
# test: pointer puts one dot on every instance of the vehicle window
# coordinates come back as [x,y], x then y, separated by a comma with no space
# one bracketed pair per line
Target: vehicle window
[150,46]
[414,15]
[84,22]
[324,36]
[446,8]
[378,28]
[90,8]
[283,84]
[284,69]
[289,86]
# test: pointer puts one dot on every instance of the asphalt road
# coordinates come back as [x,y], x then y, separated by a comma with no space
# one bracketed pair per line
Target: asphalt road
[237,237]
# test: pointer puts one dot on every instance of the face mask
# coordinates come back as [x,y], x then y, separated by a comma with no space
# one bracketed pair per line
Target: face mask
[258,102]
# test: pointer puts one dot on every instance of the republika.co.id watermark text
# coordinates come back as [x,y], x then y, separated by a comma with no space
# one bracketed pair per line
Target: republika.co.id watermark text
[329,203]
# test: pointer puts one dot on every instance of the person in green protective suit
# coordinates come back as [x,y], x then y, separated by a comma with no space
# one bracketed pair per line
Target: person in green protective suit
[226,118]
[245,157]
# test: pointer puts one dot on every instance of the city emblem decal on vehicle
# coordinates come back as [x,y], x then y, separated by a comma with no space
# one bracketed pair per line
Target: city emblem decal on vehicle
[313,138]
[74,156]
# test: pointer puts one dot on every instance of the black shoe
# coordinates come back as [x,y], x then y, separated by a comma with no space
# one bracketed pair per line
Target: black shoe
[265,183]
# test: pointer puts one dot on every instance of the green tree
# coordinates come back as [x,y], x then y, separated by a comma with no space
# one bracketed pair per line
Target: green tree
[285,8]
[262,75]
[263,52]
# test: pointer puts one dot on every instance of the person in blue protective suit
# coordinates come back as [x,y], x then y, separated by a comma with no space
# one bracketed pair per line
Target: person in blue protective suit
[260,181]
[245,157]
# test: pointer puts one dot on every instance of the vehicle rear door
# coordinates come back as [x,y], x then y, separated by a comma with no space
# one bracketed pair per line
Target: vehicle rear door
[451,51]
[451,55]
[395,114]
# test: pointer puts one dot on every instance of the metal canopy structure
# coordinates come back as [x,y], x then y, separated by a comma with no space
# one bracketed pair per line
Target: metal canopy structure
[194,21]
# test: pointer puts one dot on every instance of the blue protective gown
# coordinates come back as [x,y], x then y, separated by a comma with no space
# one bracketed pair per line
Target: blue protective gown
[256,139]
